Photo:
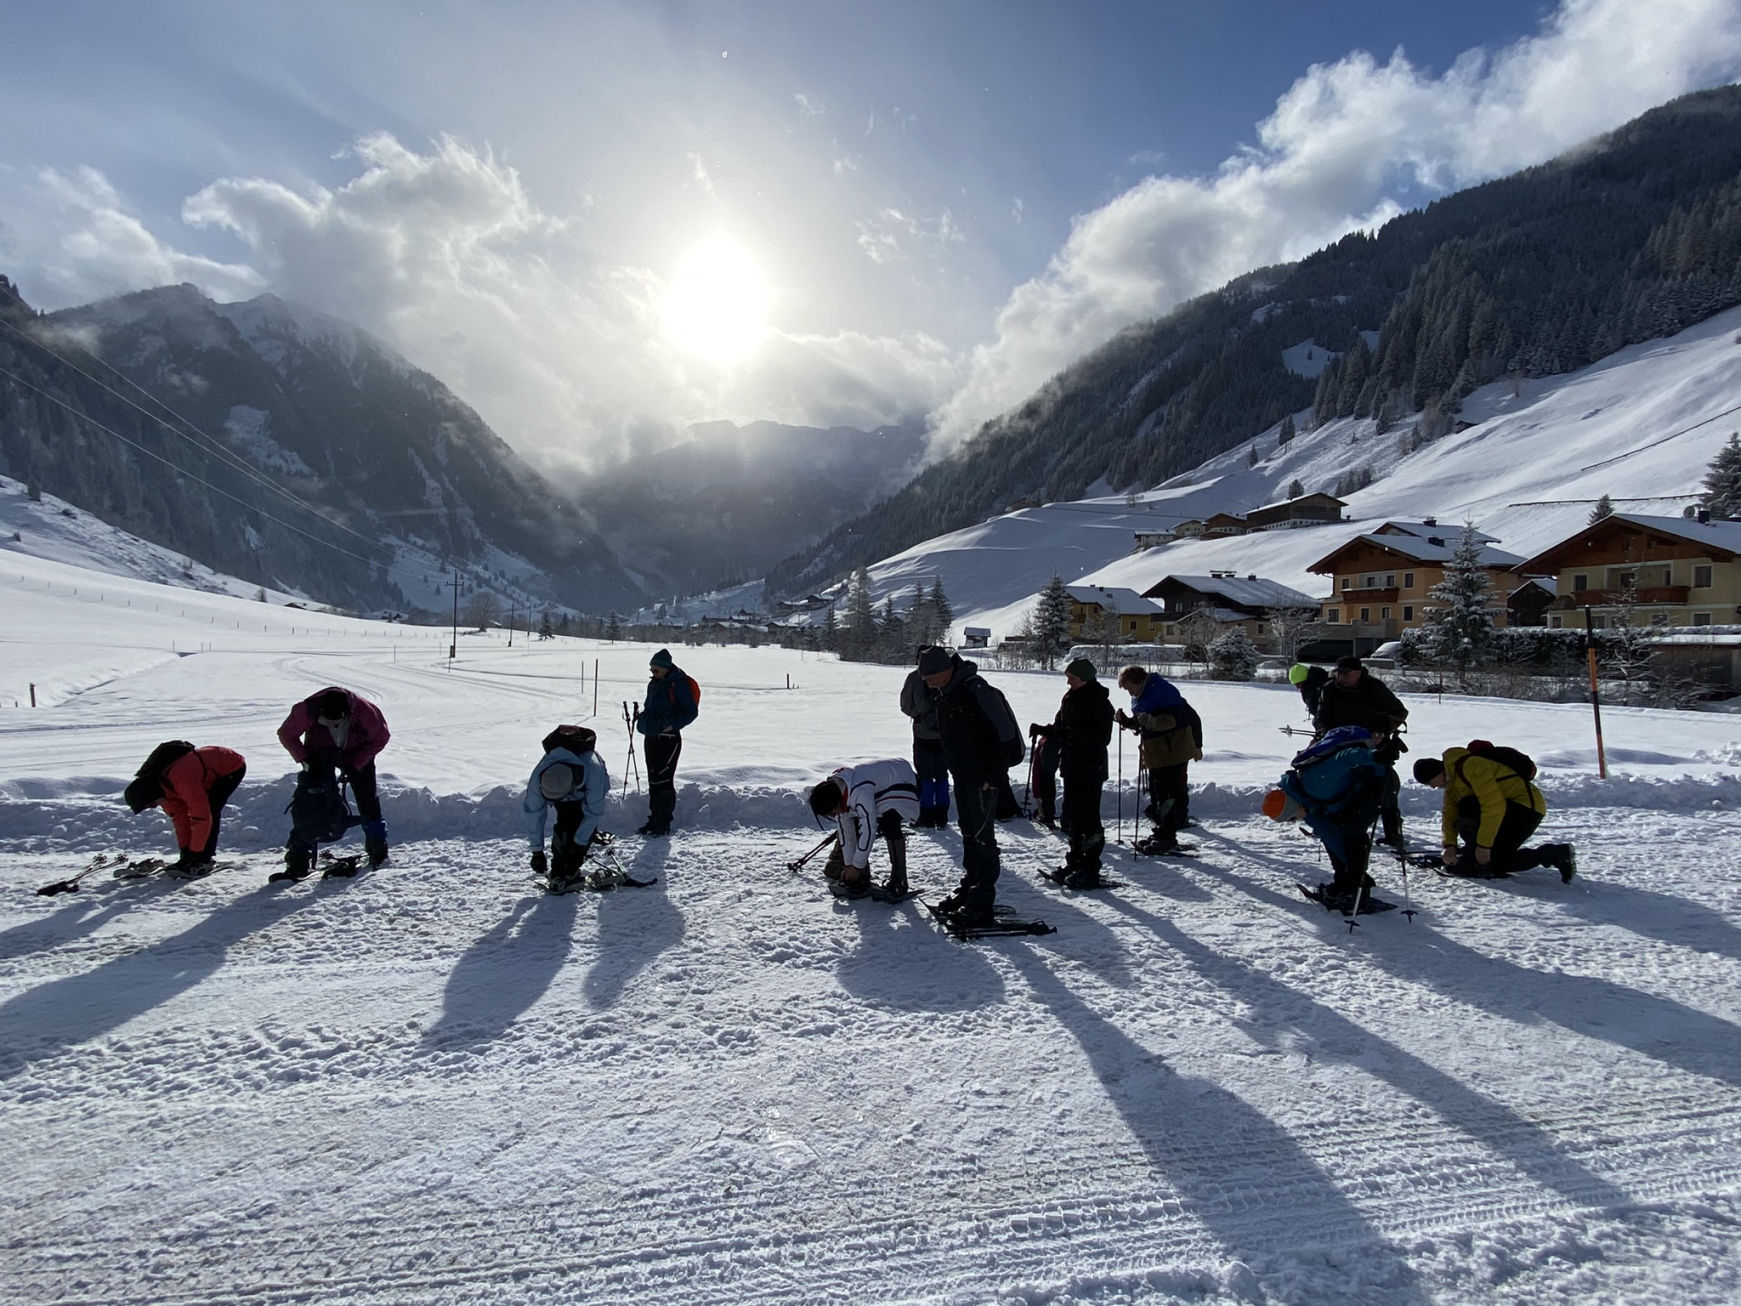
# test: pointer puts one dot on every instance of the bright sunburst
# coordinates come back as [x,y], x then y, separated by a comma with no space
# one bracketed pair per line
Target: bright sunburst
[717,302]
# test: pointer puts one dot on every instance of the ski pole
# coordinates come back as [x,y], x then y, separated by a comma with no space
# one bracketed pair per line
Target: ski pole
[1119,789]
[72,885]
[1408,906]
[630,762]
[797,864]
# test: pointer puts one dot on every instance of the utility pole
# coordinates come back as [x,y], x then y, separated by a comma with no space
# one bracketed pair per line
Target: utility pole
[510,623]
[453,648]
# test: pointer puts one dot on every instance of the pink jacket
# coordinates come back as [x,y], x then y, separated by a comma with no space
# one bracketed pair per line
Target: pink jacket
[302,734]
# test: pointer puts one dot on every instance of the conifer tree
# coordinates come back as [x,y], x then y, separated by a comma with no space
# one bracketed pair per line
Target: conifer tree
[860,636]
[1287,432]
[1296,488]
[1459,624]
[1723,480]
[940,608]
[1604,508]
[1232,656]
[1051,638]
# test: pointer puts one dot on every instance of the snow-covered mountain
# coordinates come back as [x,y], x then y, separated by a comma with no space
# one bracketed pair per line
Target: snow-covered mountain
[1641,426]
[289,449]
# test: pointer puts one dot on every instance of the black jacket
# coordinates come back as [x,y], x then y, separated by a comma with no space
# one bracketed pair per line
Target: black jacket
[1083,729]
[979,733]
[1369,703]
[918,703]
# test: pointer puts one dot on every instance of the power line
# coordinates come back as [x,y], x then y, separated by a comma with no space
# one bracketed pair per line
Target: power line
[152,453]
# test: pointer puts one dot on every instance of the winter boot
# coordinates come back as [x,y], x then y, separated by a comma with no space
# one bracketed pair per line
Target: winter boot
[297,861]
[375,842]
[1083,877]
[1563,858]
[897,884]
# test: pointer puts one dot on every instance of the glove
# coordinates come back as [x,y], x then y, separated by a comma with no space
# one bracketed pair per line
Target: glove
[1123,718]
[540,863]
[1035,728]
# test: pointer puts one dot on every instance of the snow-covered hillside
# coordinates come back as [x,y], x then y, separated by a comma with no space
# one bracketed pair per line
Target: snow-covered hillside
[1641,426]
[432,1084]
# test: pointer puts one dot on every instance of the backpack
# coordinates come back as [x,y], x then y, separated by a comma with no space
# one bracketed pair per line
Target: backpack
[1330,743]
[576,739]
[694,689]
[1011,748]
[318,810]
[164,756]
[1519,764]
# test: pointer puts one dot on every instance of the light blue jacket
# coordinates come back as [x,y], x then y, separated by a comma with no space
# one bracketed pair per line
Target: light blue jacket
[594,788]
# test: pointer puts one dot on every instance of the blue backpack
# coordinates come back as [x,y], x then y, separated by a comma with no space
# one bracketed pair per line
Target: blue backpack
[1330,743]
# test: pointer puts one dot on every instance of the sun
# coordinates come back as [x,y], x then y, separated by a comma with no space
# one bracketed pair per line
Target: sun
[717,302]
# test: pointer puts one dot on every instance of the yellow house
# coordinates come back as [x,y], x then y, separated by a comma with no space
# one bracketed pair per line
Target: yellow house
[1139,619]
[1380,580]
[1682,572]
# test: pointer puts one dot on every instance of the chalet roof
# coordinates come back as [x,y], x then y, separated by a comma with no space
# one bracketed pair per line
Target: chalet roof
[1316,496]
[1254,591]
[1417,549]
[1116,599]
[1427,529]
[1716,538]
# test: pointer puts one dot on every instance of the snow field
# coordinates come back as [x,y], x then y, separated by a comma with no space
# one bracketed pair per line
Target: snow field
[432,1084]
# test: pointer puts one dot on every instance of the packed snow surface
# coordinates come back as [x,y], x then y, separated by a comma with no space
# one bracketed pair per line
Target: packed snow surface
[434,1084]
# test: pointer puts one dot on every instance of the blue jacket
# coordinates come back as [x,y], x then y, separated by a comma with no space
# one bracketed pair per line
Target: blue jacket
[670,705]
[595,787]
[1340,795]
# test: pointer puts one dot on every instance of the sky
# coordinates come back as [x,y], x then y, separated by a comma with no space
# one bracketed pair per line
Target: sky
[599,221]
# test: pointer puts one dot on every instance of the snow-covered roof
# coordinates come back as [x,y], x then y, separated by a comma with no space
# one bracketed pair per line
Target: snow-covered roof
[1422,550]
[1125,602]
[1721,537]
[1431,529]
[1254,591]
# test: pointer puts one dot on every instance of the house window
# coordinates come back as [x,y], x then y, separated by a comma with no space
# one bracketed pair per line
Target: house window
[1390,580]
[1596,621]
[1702,576]
[1348,582]
[1580,583]
[1659,618]
[1408,612]
[1366,614]
[1384,614]
[1556,623]
[1333,616]
[1408,580]
[1369,582]
[1701,618]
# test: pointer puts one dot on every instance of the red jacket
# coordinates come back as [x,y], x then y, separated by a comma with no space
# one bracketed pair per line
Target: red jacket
[187,791]
[302,733]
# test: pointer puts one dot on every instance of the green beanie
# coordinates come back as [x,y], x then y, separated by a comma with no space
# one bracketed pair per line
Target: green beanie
[1081,668]
[1297,673]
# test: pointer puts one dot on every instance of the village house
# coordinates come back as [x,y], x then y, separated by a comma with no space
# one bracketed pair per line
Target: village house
[1229,600]
[1224,523]
[1317,509]
[1380,580]
[1139,620]
[1672,571]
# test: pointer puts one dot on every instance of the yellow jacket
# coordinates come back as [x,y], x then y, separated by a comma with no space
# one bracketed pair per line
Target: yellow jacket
[1468,775]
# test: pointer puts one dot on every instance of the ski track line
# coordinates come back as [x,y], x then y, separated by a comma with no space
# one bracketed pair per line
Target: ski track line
[1116,1213]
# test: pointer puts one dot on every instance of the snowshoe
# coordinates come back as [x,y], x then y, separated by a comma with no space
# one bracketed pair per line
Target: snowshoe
[1330,900]
[341,868]
[1079,881]
[138,870]
[1158,846]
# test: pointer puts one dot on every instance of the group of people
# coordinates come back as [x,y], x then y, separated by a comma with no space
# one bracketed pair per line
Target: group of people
[966,741]
[334,736]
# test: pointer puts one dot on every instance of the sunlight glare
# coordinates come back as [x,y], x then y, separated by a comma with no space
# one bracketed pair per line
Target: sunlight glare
[716,304]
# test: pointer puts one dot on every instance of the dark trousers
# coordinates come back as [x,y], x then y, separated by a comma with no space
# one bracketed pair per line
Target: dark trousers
[567,856]
[662,754]
[1169,798]
[975,810]
[1082,820]
[219,794]
[933,775]
[1349,862]
[1509,854]
[363,792]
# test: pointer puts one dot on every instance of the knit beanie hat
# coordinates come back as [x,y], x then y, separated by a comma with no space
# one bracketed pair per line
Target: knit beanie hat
[1081,668]
[934,660]
[661,659]
[1428,769]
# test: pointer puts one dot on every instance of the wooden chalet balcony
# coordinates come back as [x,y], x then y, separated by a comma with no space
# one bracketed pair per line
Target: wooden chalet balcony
[1609,598]
[1358,597]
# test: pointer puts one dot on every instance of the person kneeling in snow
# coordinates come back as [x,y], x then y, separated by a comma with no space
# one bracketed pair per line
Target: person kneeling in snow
[1337,786]
[1491,806]
[571,776]
[191,785]
[869,800]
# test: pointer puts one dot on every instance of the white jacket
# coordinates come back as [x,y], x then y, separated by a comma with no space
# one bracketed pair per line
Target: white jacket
[873,788]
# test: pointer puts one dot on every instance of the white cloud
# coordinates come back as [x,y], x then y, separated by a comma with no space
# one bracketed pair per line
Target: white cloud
[1330,160]
[890,234]
[809,105]
[81,242]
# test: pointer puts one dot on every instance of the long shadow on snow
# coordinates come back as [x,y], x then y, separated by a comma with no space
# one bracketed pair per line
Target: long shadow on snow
[44,1020]
[634,927]
[1665,917]
[1598,1008]
[84,915]
[1235,1170]
[1277,1006]
[504,972]
[901,963]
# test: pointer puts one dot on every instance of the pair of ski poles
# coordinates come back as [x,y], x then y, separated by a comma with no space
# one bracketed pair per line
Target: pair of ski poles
[631,718]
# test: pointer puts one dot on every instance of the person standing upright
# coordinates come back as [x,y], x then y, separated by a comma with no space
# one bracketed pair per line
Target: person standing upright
[1172,738]
[1355,697]
[337,729]
[671,705]
[928,763]
[981,741]
[1080,733]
